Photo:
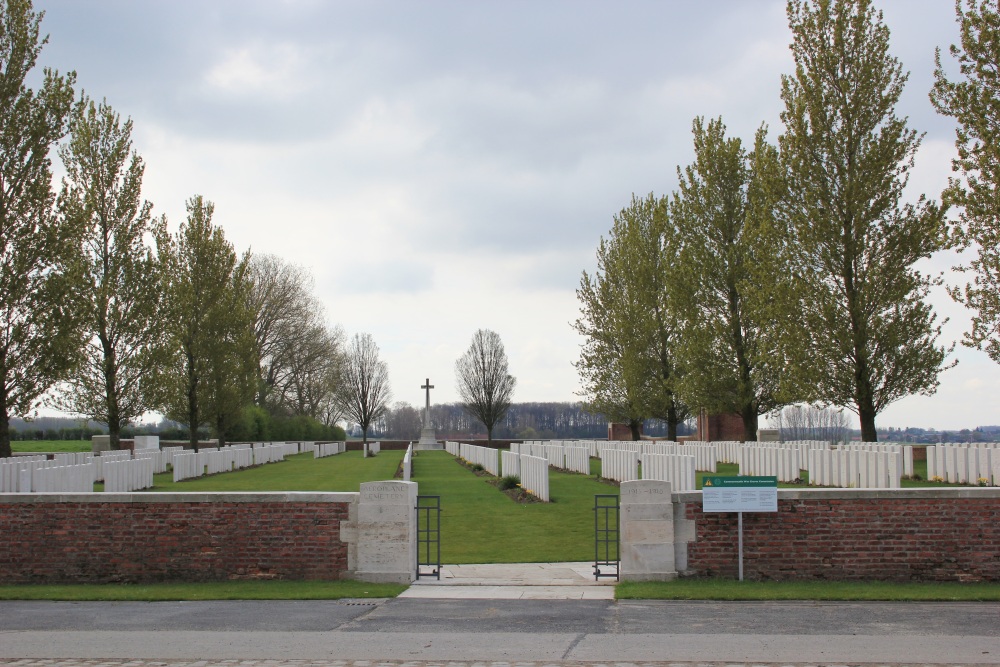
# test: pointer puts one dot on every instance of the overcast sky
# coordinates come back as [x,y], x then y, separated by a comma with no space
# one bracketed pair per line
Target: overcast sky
[446,166]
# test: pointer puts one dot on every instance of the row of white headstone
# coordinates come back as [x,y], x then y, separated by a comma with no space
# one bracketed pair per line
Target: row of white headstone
[215,460]
[324,449]
[626,465]
[69,472]
[487,457]
[534,474]
[730,451]
[678,469]
[76,472]
[856,468]
[120,476]
[408,463]
[785,463]
[533,471]
[590,445]
[565,455]
[76,478]
[128,475]
[976,463]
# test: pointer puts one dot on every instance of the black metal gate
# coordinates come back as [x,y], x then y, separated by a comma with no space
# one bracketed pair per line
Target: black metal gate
[429,536]
[606,534]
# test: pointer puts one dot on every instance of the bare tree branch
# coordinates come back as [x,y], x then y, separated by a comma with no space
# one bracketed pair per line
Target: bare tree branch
[366,390]
[484,383]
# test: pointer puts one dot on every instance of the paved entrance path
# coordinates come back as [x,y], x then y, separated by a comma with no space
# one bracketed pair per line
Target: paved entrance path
[516,581]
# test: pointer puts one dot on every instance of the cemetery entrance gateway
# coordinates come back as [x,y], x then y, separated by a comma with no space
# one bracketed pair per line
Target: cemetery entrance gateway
[606,536]
[428,536]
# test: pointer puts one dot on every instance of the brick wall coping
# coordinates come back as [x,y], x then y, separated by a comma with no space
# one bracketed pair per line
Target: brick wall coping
[206,497]
[948,493]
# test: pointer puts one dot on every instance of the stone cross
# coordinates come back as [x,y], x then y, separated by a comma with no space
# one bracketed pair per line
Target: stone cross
[427,410]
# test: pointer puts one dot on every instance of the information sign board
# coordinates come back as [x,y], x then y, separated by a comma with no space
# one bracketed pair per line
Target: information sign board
[739,494]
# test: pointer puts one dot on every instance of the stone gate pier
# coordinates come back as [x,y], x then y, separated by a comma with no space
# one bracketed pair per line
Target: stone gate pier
[381,533]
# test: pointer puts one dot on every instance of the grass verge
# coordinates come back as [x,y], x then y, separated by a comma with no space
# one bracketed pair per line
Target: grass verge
[728,589]
[221,590]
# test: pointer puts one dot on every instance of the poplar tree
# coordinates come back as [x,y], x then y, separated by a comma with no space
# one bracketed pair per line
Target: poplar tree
[119,294]
[628,363]
[973,99]
[869,335]
[726,280]
[39,343]
[208,306]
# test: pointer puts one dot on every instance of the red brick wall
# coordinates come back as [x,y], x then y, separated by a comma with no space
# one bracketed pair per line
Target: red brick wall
[621,432]
[712,428]
[874,538]
[97,542]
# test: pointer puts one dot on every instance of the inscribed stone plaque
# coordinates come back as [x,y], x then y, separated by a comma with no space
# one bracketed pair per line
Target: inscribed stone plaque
[645,492]
[387,532]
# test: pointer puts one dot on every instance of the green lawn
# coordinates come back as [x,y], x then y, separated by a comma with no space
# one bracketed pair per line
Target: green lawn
[50,446]
[301,472]
[480,524]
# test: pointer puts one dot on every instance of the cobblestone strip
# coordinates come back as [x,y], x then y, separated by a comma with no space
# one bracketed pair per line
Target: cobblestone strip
[34,662]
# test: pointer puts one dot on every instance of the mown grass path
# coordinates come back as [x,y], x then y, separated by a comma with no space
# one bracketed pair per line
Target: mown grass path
[480,524]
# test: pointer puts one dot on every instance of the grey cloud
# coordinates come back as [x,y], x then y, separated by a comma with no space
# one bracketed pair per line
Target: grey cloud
[358,274]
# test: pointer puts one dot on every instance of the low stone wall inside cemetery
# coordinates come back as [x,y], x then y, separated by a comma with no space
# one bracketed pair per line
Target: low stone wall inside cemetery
[150,537]
[950,534]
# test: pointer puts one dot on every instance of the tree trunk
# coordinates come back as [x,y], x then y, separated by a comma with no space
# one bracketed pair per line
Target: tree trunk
[220,428]
[115,433]
[672,422]
[863,397]
[193,416]
[634,426]
[859,331]
[866,414]
[5,449]
[111,392]
[114,422]
[750,416]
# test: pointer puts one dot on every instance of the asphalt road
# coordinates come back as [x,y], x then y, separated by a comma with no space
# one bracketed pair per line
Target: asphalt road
[506,630]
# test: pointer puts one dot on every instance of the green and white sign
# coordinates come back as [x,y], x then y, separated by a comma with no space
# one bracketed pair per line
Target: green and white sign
[740,494]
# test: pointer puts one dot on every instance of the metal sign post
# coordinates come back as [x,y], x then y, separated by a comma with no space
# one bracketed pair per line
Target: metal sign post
[739,494]
[740,514]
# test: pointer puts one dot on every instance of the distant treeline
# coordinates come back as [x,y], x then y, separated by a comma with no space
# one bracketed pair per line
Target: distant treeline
[523,420]
[262,427]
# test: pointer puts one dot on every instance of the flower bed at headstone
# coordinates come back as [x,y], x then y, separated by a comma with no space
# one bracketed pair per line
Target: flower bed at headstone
[517,494]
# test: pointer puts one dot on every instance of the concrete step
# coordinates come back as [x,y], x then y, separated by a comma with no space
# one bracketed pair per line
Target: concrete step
[542,581]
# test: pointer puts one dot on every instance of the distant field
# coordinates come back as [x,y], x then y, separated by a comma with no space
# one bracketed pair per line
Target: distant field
[50,445]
